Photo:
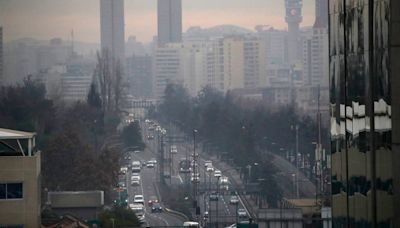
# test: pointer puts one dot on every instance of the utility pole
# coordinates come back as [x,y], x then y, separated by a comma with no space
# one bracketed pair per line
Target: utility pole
[297,161]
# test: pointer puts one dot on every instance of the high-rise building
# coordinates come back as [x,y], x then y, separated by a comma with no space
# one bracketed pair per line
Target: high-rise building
[1,56]
[169,21]
[140,75]
[112,28]
[321,15]
[365,112]
[293,19]
[166,69]
[254,62]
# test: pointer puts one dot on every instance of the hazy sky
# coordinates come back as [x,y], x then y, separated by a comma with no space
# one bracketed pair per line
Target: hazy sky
[44,19]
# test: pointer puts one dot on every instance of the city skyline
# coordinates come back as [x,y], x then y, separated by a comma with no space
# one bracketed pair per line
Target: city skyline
[140,17]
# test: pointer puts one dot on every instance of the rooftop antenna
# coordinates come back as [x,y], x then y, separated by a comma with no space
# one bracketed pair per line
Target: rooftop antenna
[72,42]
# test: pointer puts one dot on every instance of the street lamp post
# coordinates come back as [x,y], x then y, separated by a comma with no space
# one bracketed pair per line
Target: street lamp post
[216,219]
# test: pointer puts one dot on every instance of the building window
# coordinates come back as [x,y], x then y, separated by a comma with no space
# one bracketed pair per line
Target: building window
[11,191]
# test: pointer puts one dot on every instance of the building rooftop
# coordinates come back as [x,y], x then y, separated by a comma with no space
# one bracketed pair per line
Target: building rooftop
[13,134]
[14,143]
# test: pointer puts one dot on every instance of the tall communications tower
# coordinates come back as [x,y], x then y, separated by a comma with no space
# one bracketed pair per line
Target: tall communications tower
[293,18]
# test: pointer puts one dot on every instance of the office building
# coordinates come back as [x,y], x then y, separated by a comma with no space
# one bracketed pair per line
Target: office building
[140,75]
[169,21]
[112,28]
[166,69]
[365,112]
[321,15]
[316,49]
[19,179]
[254,62]
[293,19]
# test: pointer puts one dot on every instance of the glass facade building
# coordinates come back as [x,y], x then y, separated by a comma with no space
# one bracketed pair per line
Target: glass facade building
[365,112]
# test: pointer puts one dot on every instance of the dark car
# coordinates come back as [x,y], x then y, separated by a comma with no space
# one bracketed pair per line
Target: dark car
[213,196]
[156,208]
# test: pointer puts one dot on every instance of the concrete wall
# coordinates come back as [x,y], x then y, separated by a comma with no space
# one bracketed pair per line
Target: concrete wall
[25,211]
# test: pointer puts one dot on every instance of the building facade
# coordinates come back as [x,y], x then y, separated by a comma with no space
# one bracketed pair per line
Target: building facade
[140,75]
[365,112]
[169,18]
[20,174]
[1,57]
[112,28]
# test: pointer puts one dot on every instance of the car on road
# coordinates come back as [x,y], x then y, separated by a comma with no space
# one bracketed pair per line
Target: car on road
[150,165]
[234,199]
[138,209]
[123,170]
[224,183]
[191,224]
[152,200]
[174,149]
[138,199]
[135,180]
[242,213]
[208,163]
[150,137]
[136,166]
[205,216]
[217,173]
[156,208]
[213,196]
[153,161]
[210,169]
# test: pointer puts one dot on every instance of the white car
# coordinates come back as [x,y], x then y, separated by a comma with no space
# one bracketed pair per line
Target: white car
[208,163]
[135,180]
[138,199]
[153,161]
[234,200]
[217,173]
[210,169]
[150,165]
[174,149]
[242,213]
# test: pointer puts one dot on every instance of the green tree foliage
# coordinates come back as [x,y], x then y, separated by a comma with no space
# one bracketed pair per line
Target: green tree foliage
[132,136]
[119,217]
[93,98]
[25,107]
[71,138]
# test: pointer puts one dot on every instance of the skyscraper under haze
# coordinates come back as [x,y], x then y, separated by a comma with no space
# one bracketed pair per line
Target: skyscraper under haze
[365,112]
[112,28]
[321,15]
[169,17]
[293,19]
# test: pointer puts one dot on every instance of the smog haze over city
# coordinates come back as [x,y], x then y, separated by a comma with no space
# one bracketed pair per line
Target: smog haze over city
[199,113]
